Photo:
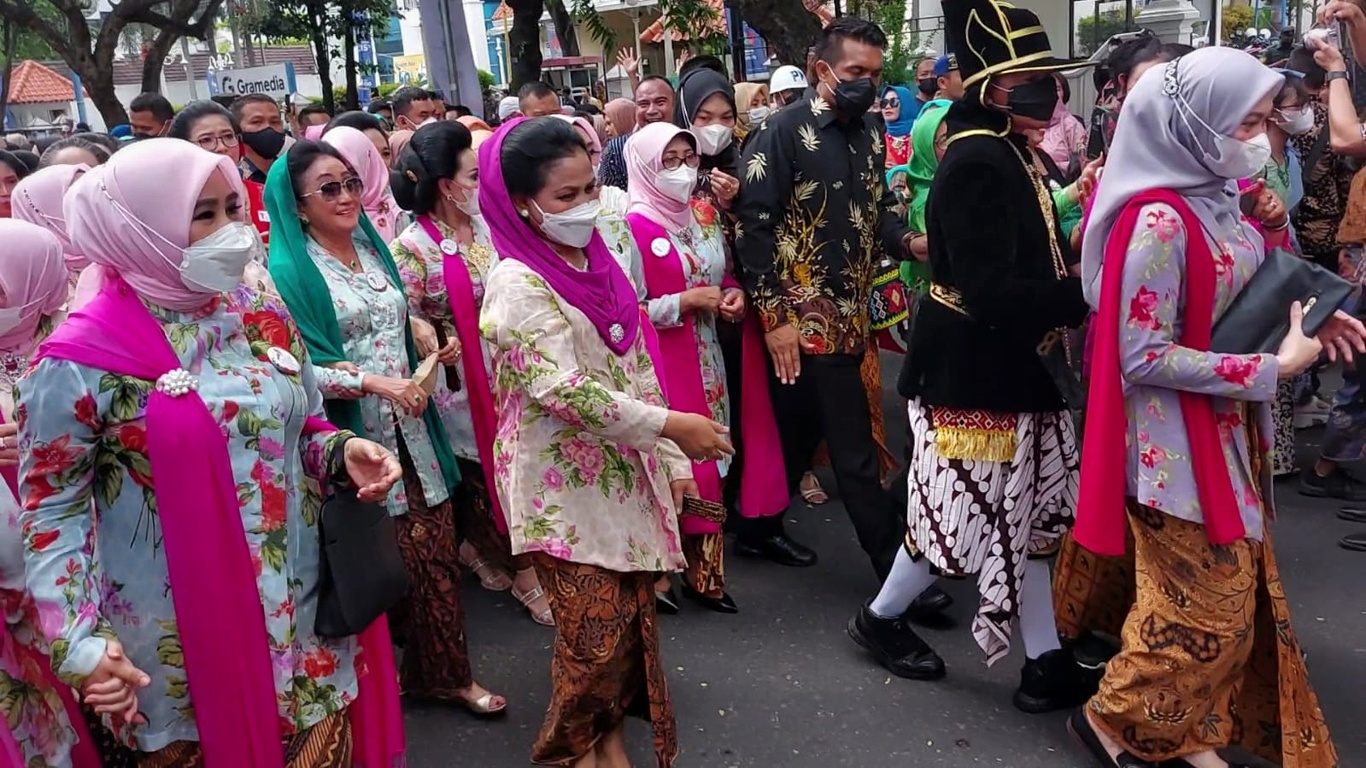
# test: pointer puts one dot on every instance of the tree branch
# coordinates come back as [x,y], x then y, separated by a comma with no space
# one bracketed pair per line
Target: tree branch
[25,15]
[197,30]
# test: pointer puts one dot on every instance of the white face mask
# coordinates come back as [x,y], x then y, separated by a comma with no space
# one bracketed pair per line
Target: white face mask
[759,114]
[677,184]
[573,227]
[13,317]
[215,263]
[1234,158]
[1296,123]
[711,139]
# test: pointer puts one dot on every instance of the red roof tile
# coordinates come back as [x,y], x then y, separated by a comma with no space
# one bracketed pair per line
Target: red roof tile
[33,83]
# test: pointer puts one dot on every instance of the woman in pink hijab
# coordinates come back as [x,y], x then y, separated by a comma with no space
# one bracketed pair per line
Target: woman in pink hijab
[376,199]
[43,726]
[1065,139]
[180,403]
[38,200]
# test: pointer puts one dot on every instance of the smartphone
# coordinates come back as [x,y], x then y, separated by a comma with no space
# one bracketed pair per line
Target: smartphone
[1247,198]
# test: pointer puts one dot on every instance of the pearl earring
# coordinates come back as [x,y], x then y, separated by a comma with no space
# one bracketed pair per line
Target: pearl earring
[523,212]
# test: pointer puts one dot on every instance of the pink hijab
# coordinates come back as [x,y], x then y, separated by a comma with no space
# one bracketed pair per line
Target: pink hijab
[132,215]
[32,276]
[643,155]
[38,200]
[397,141]
[586,129]
[621,113]
[315,132]
[366,161]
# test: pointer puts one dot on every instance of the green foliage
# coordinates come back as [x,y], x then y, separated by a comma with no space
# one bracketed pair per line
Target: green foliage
[1094,30]
[696,16]
[29,44]
[486,80]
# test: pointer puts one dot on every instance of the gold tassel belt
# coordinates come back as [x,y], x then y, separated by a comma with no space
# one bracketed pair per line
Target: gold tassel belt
[975,434]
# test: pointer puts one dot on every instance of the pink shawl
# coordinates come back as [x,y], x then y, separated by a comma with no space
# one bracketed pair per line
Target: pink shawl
[218,610]
[378,202]
[460,294]
[763,483]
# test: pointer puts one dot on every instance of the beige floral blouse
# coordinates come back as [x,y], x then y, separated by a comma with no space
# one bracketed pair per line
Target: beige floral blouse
[580,466]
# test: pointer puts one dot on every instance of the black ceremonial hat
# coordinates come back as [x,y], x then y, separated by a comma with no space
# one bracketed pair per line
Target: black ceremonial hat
[993,38]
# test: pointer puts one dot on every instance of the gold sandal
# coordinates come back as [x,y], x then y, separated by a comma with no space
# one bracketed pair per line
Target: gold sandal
[490,577]
[545,617]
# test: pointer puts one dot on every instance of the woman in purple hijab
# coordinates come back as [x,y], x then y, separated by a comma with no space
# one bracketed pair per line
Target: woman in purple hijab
[591,466]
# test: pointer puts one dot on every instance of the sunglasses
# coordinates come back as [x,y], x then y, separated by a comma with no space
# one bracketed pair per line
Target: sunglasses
[332,190]
[889,103]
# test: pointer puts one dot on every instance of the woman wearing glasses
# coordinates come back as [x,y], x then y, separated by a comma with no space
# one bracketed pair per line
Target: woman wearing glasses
[344,292]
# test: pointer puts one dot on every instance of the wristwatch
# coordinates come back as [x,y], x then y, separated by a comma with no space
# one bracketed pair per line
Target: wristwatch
[1337,75]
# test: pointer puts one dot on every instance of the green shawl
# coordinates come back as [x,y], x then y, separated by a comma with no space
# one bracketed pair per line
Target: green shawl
[305,292]
[919,174]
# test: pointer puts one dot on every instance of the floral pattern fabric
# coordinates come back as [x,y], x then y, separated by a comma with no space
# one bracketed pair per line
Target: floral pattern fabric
[421,265]
[1157,369]
[373,315]
[702,254]
[103,576]
[579,462]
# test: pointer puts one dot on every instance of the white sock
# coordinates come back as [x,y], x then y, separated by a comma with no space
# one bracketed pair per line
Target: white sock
[904,584]
[1038,626]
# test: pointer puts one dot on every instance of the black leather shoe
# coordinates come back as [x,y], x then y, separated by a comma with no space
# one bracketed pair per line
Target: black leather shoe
[722,604]
[1352,514]
[895,646]
[778,548]
[927,608]
[1353,541]
[666,602]
[1051,682]
[1081,730]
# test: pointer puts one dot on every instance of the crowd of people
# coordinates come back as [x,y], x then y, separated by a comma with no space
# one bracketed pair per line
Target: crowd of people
[566,351]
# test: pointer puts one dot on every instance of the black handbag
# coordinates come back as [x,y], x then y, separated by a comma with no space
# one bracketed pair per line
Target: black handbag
[1259,318]
[362,573]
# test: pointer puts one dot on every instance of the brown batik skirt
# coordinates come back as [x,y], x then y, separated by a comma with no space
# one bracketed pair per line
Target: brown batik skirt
[436,660]
[1209,657]
[474,508]
[607,662]
[706,569]
[1091,593]
[325,745]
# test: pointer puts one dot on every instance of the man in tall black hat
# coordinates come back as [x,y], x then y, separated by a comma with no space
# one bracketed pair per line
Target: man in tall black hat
[993,475]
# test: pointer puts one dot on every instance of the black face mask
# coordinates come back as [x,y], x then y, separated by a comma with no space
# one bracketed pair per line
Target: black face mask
[1035,100]
[266,142]
[854,97]
[928,85]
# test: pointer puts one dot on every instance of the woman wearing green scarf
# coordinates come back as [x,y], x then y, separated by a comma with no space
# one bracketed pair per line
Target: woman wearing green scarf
[344,293]
[929,138]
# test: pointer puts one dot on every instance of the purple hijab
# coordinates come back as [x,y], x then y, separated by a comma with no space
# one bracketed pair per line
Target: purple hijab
[603,292]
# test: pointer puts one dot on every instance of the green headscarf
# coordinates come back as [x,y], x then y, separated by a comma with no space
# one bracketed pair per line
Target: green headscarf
[924,162]
[305,292]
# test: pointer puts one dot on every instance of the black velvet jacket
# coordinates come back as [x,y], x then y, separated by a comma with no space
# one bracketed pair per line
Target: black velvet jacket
[988,240]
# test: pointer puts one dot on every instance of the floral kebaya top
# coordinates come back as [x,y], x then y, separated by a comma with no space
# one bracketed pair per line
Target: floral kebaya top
[93,577]
[1156,370]
[702,252]
[420,264]
[373,316]
[29,705]
[579,462]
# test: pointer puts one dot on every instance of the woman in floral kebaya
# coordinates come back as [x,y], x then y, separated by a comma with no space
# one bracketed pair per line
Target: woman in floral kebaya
[180,403]
[590,466]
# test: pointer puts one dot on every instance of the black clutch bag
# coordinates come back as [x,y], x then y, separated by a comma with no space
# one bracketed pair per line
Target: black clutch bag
[1259,318]
[362,573]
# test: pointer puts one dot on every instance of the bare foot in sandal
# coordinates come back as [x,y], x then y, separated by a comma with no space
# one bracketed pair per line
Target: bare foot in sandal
[811,490]
[480,702]
[491,577]
[527,589]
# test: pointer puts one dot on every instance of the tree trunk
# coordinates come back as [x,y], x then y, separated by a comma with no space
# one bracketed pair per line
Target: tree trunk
[564,27]
[99,83]
[349,51]
[9,33]
[785,25]
[524,40]
[324,62]
[156,60]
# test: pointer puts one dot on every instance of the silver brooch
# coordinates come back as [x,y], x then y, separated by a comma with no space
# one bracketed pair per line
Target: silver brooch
[616,332]
[177,382]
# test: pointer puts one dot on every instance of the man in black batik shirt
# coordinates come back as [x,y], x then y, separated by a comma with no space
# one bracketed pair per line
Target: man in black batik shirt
[815,218]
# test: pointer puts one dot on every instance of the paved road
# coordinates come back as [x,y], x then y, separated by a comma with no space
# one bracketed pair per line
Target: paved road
[781,686]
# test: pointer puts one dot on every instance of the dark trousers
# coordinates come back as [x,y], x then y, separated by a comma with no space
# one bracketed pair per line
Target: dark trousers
[828,402]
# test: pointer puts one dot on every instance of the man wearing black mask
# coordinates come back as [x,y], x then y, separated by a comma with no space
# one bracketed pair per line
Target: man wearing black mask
[993,477]
[815,217]
[263,134]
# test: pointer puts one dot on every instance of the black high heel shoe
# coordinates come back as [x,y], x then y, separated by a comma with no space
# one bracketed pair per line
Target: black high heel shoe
[723,604]
[667,602]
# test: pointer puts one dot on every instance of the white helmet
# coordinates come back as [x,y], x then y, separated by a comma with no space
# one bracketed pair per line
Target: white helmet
[786,78]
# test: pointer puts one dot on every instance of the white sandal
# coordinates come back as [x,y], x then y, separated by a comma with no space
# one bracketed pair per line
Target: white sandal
[545,618]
